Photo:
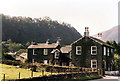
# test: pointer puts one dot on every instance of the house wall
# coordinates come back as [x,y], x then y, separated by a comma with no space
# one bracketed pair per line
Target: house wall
[84,60]
[109,64]
[40,57]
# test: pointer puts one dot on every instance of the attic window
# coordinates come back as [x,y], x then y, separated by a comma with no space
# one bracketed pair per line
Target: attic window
[34,51]
[93,50]
[78,50]
[45,51]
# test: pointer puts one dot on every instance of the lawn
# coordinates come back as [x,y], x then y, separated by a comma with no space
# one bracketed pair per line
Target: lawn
[12,72]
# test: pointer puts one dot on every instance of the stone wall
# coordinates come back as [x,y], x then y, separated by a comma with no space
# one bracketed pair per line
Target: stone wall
[57,77]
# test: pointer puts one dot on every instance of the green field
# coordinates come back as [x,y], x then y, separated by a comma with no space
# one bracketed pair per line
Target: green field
[12,72]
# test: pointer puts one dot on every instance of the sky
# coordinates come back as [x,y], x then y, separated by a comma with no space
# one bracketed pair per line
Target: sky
[98,15]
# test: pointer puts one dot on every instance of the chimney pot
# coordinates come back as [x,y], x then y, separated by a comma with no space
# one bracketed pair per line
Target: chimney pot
[86,33]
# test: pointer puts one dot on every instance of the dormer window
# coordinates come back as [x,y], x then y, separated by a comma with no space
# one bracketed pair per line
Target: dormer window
[34,51]
[93,50]
[78,50]
[45,52]
[56,55]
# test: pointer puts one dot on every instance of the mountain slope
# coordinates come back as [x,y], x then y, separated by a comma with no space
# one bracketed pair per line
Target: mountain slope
[111,34]
[24,29]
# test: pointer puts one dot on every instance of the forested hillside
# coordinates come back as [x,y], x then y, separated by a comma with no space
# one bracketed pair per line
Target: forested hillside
[26,29]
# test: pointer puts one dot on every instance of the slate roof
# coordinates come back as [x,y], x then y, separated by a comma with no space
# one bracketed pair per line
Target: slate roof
[44,45]
[55,51]
[96,40]
[24,55]
[66,49]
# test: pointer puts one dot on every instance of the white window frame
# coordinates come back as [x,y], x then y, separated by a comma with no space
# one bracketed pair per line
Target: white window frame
[34,52]
[78,50]
[45,61]
[108,52]
[92,64]
[57,56]
[45,51]
[104,50]
[93,50]
[70,55]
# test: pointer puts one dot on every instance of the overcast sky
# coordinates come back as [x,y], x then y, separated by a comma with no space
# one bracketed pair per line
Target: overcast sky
[98,15]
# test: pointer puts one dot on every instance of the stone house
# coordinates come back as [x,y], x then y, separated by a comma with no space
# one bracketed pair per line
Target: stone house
[48,53]
[92,52]
[87,52]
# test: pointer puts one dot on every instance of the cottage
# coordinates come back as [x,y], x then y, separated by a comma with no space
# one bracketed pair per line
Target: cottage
[22,57]
[92,52]
[47,53]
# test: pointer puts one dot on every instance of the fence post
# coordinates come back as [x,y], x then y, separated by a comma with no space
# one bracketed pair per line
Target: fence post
[19,75]
[42,72]
[4,77]
[32,73]
[51,71]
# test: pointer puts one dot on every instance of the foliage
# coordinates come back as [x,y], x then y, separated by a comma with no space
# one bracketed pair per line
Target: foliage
[91,77]
[7,57]
[13,47]
[20,51]
[26,29]
[116,61]
[116,53]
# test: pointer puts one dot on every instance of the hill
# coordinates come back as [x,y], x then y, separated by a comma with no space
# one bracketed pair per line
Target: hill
[24,29]
[111,34]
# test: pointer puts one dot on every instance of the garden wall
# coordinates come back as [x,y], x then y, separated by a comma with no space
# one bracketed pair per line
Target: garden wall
[58,77]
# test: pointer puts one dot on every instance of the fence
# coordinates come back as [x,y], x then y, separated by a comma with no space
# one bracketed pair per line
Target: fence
[64,70]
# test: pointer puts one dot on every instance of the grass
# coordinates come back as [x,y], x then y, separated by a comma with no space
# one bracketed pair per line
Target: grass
[12,72]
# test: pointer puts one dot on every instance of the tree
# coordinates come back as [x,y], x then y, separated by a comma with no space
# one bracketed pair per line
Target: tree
[13,47]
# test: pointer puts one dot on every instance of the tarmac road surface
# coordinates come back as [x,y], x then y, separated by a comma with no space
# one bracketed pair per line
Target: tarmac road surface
[108,78]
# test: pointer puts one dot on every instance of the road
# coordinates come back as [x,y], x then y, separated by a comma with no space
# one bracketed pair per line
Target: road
[108,78]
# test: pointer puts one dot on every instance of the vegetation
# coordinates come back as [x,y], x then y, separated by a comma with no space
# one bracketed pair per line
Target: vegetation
[26,29]
[84,78]
[10,46]
[12,72]
[116,53]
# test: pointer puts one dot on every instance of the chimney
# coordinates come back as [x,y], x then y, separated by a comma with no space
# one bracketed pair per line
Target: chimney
[86,33]
[33,43]
[58,40]
[99,35]
[47,41]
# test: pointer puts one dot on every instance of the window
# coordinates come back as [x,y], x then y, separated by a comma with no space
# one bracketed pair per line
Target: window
[33,60]
[34,51]
[94,64]
[45,51]
[108,52]
[56,54]
[78,50]
[104,50]
[70,56]
[45,61]
[56,63]
[93,50]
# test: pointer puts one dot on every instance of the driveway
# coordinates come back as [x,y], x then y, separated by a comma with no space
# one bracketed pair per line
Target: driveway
[108,78]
